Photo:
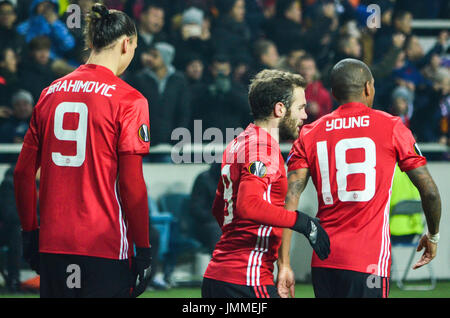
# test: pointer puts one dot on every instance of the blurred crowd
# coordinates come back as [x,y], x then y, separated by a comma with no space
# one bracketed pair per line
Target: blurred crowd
[195,58]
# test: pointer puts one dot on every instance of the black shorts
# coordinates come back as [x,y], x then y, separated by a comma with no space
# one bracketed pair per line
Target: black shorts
[339,283]
[70,276]
[212,288]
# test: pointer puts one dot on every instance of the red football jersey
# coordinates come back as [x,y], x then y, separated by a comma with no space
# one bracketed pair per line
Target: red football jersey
[80,125]
[252,170]
[351,155]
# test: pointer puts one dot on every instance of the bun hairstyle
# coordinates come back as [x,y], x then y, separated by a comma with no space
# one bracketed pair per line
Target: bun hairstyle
[105,26]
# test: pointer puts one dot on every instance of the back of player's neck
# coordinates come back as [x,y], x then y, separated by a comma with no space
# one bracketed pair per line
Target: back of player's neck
[102,60]
[353,100]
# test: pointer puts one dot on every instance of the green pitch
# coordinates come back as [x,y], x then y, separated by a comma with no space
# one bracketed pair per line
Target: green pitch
[442,290]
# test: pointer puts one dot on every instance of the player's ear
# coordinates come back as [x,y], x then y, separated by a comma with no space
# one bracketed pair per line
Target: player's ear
[125,45]
[367,89]
[279,110]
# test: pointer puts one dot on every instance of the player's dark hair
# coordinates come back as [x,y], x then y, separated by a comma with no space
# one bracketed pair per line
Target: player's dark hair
[348,78]
[269,87]
[105,26]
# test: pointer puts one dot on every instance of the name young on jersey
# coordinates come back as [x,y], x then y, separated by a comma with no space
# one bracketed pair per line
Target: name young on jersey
[346,123]
[79,86]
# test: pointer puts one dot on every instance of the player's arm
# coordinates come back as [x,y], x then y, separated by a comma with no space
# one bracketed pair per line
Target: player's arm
[411,161]
[297,181]
[431,204]
[26,203]
[133,195]
[25,188]
[250,205]
[133,144]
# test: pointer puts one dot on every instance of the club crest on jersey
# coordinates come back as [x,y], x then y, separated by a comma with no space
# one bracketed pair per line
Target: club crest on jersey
[417,150]
[258,169]
[143,133]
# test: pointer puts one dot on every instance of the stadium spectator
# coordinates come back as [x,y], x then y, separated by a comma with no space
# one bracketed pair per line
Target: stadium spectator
[44,21]
[431,112]
[415,54]
[13,129]
[403,104]
[150,30]
[401,23]
[266,55]
[221,103]
[289,61]
[349,46]
[166,88]
[193,69]
[421,9]
[230,30]
[10,232]
[9,37]
[9,80]
[322,30]
[79,53]
[370,32]
[203,193]
[35,72]
[285,27]
[318,99]
[193,37]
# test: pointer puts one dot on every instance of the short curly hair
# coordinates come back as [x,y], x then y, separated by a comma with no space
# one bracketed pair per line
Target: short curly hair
[269,87]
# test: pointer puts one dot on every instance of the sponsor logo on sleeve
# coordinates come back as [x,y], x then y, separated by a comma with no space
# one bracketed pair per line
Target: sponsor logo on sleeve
[258,169]
[144,133]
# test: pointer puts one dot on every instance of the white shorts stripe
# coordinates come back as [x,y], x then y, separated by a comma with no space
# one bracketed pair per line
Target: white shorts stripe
[123,230]
[383,260]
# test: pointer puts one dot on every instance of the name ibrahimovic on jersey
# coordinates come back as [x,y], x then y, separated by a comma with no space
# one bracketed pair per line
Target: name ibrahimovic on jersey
[79,86]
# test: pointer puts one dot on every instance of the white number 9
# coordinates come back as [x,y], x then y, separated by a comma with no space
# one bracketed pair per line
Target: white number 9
[78,135]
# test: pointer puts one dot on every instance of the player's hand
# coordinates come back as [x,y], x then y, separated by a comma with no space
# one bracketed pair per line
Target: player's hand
[314,232]
[141,268]
[286,282]
[30,244]
[428,254]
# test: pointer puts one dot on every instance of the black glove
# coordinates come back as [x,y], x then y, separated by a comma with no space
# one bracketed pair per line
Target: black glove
[30,245]
[141,268]
[314,232]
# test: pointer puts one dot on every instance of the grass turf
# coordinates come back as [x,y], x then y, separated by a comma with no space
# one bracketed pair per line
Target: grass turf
[442,290]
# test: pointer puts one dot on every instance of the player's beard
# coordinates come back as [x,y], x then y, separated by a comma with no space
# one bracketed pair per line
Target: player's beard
[288,127]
